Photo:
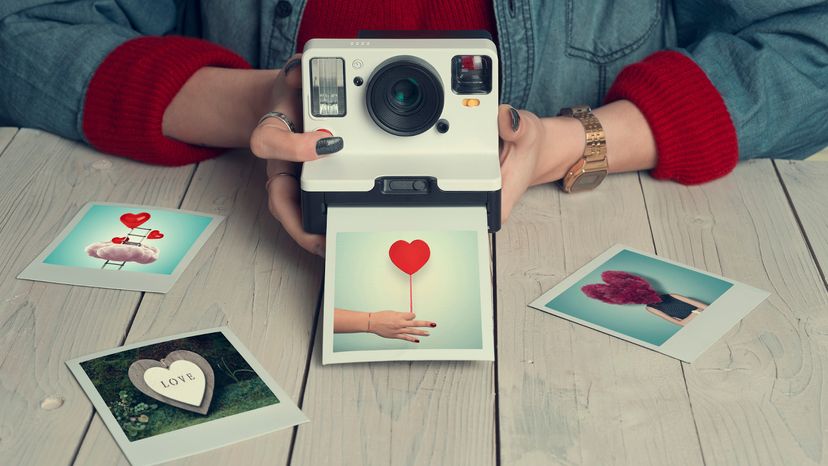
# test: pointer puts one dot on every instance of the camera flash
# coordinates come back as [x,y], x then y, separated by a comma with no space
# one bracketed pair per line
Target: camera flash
[327,78]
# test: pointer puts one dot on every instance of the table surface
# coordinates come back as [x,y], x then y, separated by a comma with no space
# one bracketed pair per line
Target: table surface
[559,393]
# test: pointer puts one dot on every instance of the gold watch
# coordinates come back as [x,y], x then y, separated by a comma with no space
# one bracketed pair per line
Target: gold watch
[591,169]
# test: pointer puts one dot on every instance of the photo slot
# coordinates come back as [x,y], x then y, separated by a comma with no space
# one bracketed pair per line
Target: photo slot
[123,246]
[166,399]
[656,303]
[398,291]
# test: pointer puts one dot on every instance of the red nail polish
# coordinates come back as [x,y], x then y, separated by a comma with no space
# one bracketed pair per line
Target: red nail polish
[416,341]
[433,324]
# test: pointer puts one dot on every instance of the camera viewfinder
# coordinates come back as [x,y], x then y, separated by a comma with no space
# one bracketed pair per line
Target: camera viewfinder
[471,74]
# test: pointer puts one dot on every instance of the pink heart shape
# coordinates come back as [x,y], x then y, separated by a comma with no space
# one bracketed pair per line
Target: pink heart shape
[622,288]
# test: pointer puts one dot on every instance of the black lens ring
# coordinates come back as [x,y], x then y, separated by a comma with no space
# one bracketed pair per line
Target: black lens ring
[391,118]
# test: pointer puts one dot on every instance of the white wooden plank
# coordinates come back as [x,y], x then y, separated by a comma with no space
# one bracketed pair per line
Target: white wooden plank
[758,395]
[808,191]
[6,135]
[250,276]
[821,156]
[569,394]
[45,180]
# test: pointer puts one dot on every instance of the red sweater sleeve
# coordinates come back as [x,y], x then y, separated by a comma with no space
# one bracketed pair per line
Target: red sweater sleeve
[693,132]
[131,89]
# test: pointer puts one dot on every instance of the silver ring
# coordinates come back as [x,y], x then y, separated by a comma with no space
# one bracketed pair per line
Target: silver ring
[281,117]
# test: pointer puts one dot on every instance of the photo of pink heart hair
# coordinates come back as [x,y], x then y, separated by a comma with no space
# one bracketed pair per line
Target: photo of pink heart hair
[622,288]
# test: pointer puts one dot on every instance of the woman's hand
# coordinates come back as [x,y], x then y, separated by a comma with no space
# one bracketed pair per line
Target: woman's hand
[401,325]
[272,140]
[534,151]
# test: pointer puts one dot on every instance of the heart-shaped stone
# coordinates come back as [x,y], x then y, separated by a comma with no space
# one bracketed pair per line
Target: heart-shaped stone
[182,379]
[409,257]
[622,288]
[155,234]
[134,220]
[119,239]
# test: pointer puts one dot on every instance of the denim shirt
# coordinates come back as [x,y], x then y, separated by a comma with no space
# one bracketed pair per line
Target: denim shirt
[768,59]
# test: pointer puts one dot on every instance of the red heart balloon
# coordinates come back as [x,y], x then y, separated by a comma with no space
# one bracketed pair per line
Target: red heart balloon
[409,257]
[155,234]
[622,288]
[134,220]
[119,239]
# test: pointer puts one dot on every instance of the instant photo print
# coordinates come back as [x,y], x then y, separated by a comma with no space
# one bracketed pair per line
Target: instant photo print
[121,246]
[418,117]
[653,302]
[407,284]
[177,396]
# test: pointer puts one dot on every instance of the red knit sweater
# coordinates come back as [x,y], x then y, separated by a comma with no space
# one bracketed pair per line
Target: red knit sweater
[127,96]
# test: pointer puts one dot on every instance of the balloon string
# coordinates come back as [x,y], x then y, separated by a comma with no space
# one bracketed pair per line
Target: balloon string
[411,293]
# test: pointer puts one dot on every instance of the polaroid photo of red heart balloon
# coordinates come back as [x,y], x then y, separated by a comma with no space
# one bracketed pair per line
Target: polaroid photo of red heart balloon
[407,284]
[651,301]
[122,246]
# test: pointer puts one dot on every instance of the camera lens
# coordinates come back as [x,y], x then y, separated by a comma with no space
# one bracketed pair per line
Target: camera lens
[404,96]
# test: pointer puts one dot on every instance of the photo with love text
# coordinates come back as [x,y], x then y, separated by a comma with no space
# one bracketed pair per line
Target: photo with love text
[167,386]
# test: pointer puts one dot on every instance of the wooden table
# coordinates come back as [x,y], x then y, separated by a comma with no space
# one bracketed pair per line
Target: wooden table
[559,393]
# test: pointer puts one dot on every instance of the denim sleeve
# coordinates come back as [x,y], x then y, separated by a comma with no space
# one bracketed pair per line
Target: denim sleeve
[50,50]
[769,61]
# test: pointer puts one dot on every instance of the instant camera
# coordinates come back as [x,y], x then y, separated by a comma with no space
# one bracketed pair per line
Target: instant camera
[418,117]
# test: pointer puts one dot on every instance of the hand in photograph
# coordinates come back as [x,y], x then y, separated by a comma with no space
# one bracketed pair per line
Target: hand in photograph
[386,324]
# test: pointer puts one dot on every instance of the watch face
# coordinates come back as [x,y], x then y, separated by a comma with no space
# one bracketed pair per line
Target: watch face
[588,181]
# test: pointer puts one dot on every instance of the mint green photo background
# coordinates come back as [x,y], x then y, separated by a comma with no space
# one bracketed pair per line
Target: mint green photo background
[446,289]
[634,320]
[102,223]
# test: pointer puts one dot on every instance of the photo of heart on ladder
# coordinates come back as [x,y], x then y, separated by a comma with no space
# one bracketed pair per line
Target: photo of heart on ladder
[183,394]
[401,287]
[123,246]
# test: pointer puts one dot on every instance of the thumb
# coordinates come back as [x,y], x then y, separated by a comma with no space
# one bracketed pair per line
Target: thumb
[410,316]
[508,123]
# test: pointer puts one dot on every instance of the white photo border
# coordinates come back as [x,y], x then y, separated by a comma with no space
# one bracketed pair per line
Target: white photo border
[687,343]
[377,219]
[202,437]
[120,279]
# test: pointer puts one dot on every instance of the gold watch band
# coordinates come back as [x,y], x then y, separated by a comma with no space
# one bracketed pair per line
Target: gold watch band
[589,171]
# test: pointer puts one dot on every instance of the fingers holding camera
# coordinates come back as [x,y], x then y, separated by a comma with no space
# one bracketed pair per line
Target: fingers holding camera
[273,140]
[283,202]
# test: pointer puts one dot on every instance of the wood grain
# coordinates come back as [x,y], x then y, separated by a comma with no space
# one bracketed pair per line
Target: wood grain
[6,135]
[569,394]
[250,276]
[806,185]
[45,181]
[759,394]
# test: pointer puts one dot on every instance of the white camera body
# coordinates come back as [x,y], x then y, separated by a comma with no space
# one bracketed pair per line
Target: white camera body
[418,118]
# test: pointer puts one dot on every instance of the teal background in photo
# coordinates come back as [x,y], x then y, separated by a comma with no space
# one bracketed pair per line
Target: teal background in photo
[446,289]
[633,319]
[102,223]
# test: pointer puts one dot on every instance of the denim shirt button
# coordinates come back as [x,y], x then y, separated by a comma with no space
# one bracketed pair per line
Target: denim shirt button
[283,9]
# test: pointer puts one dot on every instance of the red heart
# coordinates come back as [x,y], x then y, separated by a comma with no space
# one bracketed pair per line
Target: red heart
[409,257]
[155,234]
[134,220]
[622,288]
[119,239]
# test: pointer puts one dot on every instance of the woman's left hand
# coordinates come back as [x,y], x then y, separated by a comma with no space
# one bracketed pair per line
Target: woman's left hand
[533,151]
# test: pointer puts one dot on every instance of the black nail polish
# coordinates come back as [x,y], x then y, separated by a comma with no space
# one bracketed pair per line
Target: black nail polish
[291,65]
[330,145]
[515,119]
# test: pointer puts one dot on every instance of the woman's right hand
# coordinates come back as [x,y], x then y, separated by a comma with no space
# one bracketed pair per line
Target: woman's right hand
[401,325]
[284,150]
